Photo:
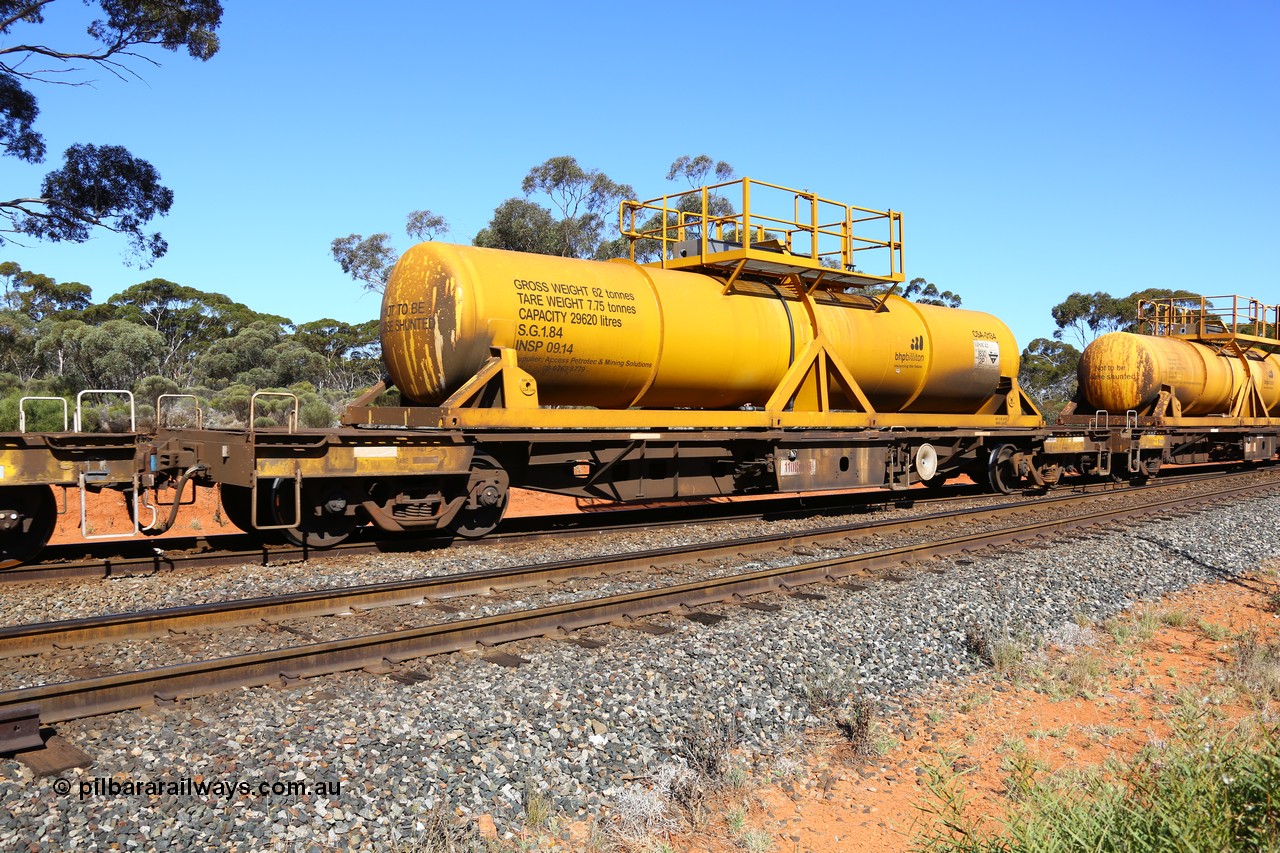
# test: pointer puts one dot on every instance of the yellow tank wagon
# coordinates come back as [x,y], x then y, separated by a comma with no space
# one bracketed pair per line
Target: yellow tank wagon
[1199,382]
[731,352]
[1204,358]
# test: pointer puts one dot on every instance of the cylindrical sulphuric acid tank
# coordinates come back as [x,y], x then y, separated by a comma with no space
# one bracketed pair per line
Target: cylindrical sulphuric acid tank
[1122,371]
[618,335]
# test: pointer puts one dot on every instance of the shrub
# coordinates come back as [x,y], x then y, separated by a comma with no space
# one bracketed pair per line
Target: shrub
[1205,791]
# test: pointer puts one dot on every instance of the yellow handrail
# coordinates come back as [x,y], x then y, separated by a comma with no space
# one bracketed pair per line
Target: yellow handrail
[745,215]
[1209,317]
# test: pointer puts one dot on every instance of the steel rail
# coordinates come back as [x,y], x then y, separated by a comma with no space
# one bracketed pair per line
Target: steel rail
[34,638]
[377,652]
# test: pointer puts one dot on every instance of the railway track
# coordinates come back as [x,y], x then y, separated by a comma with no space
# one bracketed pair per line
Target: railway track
[22,711]
[49,636]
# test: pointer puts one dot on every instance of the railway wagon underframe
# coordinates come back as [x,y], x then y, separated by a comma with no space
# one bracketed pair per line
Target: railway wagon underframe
[660,464]
[429,468]
[319,486]
[1144,442]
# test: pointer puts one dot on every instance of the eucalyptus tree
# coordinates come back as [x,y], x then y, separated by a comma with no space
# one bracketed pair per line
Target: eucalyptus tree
[29,299]
[188,320]
[520,225]
[928,293]
[1083,316]
[348,353]
[369,260]
[97,186]
[587,200]
[1047,372]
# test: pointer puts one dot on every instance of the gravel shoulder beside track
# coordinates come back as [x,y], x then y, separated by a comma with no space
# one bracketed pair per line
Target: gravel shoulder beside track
[580,724]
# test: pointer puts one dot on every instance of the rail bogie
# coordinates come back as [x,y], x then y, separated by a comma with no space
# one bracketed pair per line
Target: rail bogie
[32,465]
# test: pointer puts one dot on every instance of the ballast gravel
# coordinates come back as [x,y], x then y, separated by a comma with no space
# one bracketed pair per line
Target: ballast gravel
[355,761]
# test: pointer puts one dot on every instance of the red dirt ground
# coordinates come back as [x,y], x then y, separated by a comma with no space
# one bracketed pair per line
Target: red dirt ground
[975,725]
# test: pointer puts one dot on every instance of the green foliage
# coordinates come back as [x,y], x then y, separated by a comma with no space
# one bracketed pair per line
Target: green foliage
[1208,791]
[1083,316]
[37,296]
[927,293]
[260,356]
[149,388]
[519,225]
[18,344]
[97,186]
[112,413]
[30,298]
[291,362]
[42,415]
[233,403]
[695,170]
[276,409]
[1048,374]
[1255,666]
[587,201]
[315,413]
[159,337]
[227,360]
[920,291]
[350,353]
[110,355]
[188,320]
[425,225]
[586,198]
[369,260]
[155,327]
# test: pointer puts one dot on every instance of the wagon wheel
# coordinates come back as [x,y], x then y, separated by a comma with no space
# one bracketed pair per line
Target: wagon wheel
[28,515]
[1002,472]
[237,506]
[473,523]
[325,522]
[1147,468]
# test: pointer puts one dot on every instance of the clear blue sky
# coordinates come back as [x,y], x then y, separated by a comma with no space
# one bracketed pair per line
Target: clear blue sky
[1035,148]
